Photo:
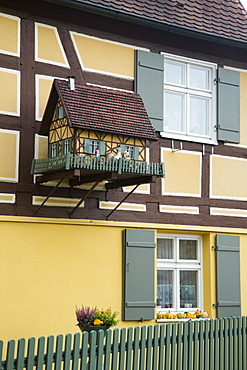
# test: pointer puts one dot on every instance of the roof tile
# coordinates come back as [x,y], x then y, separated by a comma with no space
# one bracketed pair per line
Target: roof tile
[226,18]
[108,110]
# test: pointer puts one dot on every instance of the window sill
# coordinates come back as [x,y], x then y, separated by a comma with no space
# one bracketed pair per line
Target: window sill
[180,320]
[194,139]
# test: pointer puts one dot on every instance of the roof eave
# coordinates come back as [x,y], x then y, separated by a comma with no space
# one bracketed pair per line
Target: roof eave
[148,22]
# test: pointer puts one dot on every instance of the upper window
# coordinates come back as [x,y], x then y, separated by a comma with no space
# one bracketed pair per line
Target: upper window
[189,99]
[179,272]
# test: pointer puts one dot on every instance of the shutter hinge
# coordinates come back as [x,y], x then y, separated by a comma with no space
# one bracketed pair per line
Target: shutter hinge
[214,247]
[215,305]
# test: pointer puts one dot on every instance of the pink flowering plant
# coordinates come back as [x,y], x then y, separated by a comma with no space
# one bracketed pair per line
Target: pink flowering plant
[87,316]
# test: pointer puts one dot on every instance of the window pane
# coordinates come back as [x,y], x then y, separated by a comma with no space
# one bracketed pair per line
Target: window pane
[175,73]
[188,289]
[165,249]
[174,111]
[199,78]
[165,287]
[188,249]
[199,115]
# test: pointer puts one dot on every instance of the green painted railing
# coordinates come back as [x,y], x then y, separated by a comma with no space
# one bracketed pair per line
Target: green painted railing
[195,345]
[72,161]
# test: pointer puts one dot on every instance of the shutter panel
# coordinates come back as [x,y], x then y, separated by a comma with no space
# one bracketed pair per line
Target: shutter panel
[136,153]
[149,83]
[228,275]
[87,145]
[138,267]
[102,147]
[228,105]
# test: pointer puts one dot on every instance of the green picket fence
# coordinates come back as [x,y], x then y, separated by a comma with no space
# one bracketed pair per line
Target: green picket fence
[205,344]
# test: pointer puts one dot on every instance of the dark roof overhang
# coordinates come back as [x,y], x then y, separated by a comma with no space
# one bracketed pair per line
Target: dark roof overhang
[148,22]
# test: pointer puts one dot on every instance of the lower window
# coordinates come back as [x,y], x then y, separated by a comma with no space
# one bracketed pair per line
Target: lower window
[179,272]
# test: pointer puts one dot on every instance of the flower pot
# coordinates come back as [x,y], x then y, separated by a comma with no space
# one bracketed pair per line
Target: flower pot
[89,328]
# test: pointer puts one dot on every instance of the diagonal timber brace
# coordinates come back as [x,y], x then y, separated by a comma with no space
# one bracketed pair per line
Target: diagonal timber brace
[119,204]
[85,196]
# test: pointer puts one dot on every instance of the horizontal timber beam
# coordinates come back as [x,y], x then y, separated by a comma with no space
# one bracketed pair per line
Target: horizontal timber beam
[130,181]
[92,178]
[57,175]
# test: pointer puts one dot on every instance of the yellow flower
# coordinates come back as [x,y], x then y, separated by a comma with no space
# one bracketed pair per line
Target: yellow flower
[98,322]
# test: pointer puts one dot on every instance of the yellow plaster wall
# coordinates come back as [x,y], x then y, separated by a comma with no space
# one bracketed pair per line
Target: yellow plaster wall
[183,173]
[228,177]
[103,56]
[43,88]
[52,51]
[9,91]
[63,264]
[9,155]
[41,146]
[9,34]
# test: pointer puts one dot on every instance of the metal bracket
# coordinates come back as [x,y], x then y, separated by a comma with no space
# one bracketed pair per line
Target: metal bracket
[85,196]
[119,204]
[48,196]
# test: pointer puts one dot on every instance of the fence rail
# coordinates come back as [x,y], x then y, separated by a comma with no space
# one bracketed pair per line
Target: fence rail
[202,345]
[87,162]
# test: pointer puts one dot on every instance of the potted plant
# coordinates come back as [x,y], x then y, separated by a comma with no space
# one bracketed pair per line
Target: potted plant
[95,319]
[158,303]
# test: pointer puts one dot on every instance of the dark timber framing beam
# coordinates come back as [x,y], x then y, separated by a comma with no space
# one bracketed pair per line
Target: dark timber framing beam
[131,181]
[85,196]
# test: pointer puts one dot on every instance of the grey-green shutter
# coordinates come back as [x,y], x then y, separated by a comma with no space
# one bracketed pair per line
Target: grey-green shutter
[228,105]
[87,145]
[102,147]
[228,275]
[136,153]
[138,268]
[149,83]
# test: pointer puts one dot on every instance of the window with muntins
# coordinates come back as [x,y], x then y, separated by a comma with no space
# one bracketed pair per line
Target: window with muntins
[179,272]
[189,99]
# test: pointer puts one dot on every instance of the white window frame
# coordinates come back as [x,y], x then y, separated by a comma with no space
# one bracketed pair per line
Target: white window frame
[54,150]
[93,145]
[66,146]
[177,265]
[211,94]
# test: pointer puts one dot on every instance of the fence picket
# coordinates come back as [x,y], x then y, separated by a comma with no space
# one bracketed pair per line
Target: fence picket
[244,348]
[190,344]
[240,337]
[59,352]
[76,351]
[235,344]
[230,345]
[122,349]
[41,353]
[84,350]
[161,346]
[136,348]
[67,352]
[206,345]
[201,345]
[221,344]
[10,355]
[216,344]
[92,351]
[20,354]
[173,347]
[129,348]
[196,347]
[179,345]
[107,350]
[168,345]
[30,354]
[114,350]
[155,347]
[142,347]
[49,352]
[185,346]
[149,348]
